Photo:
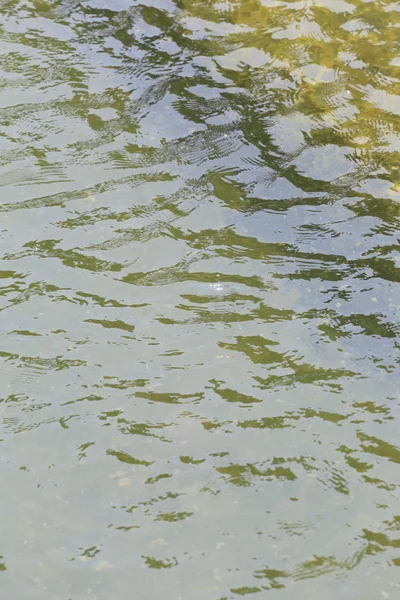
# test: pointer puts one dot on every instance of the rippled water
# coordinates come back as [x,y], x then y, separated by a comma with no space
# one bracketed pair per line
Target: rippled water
[200,209]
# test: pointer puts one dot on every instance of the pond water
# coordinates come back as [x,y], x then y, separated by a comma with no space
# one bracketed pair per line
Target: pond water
[200,279]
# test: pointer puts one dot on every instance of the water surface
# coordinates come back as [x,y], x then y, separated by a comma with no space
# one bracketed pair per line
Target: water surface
[200,208]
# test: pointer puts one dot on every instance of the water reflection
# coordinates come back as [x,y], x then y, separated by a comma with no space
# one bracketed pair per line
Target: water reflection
[199,219]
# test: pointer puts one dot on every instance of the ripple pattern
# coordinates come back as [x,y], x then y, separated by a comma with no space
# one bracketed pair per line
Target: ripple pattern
[199,316]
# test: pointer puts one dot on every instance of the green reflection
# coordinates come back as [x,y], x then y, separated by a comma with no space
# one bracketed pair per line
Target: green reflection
[199,221]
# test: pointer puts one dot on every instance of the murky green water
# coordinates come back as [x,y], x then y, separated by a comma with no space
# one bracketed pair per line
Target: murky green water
[200,208]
